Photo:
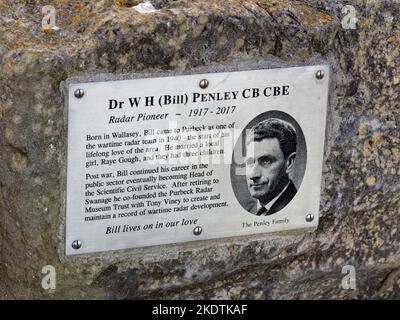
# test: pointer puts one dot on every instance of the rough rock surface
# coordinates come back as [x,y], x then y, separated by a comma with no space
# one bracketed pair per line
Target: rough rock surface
[359,223]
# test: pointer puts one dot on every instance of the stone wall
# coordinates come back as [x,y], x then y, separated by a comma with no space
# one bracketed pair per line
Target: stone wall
[359,211]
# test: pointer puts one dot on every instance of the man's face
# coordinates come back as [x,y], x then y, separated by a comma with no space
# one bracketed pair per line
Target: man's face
[266,169]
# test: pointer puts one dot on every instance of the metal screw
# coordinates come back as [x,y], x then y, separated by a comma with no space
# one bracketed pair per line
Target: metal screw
[79,93]
[309,217]
[204,83]
[320,74]
[197,231]
[77,244]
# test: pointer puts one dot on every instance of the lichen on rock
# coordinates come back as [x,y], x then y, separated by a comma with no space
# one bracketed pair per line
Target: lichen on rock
[359,213]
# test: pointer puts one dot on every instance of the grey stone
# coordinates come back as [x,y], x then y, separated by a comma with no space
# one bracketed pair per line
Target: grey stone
[359,222]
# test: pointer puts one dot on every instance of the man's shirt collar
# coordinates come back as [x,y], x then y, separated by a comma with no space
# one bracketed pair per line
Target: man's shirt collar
[269,205]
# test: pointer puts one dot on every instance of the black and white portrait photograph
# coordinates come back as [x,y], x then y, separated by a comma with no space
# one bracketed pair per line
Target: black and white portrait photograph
[268,163]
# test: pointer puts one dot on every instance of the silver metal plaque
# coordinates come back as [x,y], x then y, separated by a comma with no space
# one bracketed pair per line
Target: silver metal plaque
[173,159]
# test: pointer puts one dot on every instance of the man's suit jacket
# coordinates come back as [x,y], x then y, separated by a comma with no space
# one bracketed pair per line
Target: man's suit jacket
[280,203]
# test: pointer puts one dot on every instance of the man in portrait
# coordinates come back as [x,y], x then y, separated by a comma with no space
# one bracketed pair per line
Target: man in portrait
[270,156]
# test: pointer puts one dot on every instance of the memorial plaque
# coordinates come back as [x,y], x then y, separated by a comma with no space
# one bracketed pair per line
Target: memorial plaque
[174,159]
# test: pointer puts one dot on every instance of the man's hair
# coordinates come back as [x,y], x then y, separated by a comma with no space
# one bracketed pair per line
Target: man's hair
[275,128]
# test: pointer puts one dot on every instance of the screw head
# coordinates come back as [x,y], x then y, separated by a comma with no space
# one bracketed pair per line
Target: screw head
[204,83]
[79,93]
[77,244]
[197,230]
[309,217]
[320,74]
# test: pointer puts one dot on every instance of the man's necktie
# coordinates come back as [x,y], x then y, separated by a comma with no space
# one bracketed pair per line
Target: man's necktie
[262,211]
